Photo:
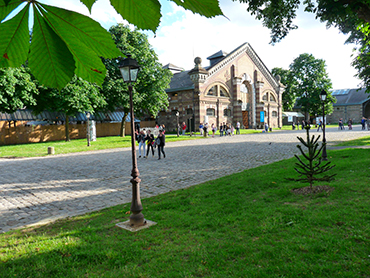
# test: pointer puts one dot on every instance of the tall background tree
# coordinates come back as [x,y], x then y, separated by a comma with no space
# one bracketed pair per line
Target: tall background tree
[149,95]
[17,89]
[66,43]
[289,96]
[78,96]
[304,80]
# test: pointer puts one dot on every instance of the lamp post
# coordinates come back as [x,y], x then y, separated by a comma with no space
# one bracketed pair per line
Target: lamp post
[178,124]
[88,128]
[129,69]
[323,96]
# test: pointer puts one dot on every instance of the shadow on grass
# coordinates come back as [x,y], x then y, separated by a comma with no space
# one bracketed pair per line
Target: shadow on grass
[244,225]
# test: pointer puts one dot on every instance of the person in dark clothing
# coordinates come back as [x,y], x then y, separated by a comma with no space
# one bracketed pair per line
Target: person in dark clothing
[162,141]
[150,141]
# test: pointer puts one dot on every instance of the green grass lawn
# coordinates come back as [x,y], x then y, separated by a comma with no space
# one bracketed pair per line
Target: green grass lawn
[77,145]
[244,225]
[363,141]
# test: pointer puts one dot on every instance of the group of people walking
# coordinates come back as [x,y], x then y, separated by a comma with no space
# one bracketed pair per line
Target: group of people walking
[225,129]
[146,139]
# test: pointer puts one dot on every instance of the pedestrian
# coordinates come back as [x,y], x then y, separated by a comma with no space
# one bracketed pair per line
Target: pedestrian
[237,127]
[340,123]
[150,142]
[232,129]
[163,129]
[213,127]
[363,121]
[205,129]
[201,129]
[225,128]
[141,140]
[293,126]
[350,124]
[160,142]
[368,124]
[228,128]
[320,125]
[183,127]
[221,130]
[303,124]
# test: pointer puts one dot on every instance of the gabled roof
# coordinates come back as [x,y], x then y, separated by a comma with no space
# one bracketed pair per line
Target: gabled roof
[180,81]
[173,68]
[350,96]
[218,54]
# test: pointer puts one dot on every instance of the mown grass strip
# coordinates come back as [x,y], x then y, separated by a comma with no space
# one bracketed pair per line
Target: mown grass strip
[244,225]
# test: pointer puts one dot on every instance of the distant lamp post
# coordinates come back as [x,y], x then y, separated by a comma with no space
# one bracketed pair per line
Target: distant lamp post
[178,124]
[323,96]
[88,128]
[129,69]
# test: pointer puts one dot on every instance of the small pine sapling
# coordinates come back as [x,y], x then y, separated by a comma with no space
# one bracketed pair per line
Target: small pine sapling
[309,169]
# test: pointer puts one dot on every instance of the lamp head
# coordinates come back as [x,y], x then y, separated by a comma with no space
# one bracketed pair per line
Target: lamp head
[129,69]
[323,95]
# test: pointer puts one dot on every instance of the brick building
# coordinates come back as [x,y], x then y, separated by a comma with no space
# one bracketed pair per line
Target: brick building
[234,87]
[351,104]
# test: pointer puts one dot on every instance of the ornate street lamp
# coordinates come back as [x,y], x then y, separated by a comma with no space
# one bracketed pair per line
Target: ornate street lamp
[129,69]
[88,128]
[323,96]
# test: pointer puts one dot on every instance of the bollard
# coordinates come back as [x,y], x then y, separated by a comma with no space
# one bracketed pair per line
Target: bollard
[51,150]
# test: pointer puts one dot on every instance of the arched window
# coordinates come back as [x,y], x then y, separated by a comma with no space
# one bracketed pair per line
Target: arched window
[210,112]
[243,88]
[264,97]
[218,91]
[189,111]
[274,113]
[212,91]
[173,112]
[222,93]
[227,112]
[272,98]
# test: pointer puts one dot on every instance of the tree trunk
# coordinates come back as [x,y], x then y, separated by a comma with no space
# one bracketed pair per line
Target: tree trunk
[122,131]
[66,124]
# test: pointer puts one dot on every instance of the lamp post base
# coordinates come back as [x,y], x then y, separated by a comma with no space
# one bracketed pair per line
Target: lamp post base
[127,225]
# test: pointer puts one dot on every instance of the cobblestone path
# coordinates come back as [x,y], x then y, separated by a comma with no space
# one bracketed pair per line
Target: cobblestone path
[40,190]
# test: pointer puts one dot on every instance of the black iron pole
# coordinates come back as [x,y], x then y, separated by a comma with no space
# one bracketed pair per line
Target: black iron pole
[136,218]
[324,155]
[88,132]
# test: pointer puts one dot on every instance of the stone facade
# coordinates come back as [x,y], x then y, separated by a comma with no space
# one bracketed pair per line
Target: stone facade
[350,104]
[236,87]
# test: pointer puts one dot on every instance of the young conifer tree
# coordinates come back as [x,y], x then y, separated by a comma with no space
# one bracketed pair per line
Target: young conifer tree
[311,167]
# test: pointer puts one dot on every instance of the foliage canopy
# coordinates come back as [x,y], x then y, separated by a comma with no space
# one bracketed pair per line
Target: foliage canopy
[66,43]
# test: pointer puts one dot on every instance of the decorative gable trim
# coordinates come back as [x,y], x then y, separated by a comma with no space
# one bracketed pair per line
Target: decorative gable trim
[244,48]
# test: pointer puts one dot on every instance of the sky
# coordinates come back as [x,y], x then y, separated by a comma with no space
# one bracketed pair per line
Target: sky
[182,36]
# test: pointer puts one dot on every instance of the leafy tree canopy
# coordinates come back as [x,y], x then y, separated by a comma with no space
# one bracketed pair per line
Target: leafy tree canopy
[66,43]
[149,95]
[305,80]
[17,89]
[278,15]
[289,96]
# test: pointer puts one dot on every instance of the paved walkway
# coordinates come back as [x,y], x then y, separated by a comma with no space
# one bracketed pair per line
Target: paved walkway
[40,190]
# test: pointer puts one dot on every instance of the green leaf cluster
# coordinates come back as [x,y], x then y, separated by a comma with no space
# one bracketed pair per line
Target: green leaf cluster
[149,95]
[312,167]
[17,89]
[304,81]
[279,15]
[66,43]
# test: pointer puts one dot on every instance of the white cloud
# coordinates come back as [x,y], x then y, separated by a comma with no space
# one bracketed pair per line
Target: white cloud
[182,36]
[192,35]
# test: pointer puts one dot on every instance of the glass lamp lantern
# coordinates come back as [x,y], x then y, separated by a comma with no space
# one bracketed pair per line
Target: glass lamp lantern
[129,69]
